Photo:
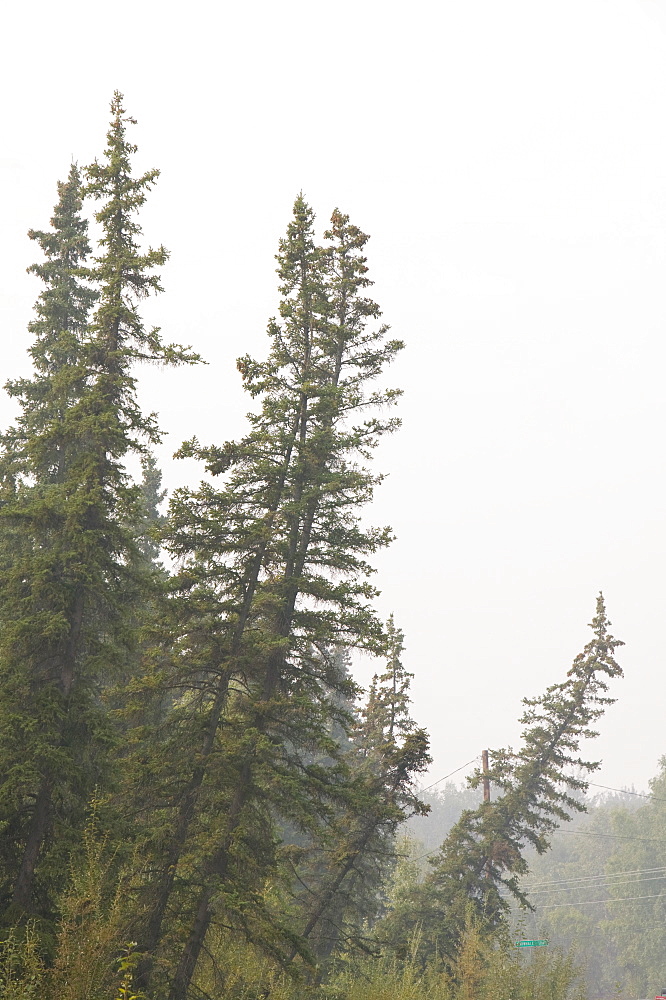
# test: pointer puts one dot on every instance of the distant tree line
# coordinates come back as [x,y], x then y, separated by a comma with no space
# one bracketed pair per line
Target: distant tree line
[601,892]
[186,764]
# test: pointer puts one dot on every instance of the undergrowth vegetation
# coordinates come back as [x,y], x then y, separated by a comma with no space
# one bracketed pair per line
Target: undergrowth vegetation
[234,970]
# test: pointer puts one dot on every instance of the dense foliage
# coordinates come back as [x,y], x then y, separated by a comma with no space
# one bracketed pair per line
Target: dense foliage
[196,799]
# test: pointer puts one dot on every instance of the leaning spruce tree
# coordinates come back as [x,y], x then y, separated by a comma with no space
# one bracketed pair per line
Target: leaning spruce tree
[354,857]
[477,871]
[71,512]
[273,577]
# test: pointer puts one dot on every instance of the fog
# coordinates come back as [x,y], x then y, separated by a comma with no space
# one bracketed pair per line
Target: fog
[509,161]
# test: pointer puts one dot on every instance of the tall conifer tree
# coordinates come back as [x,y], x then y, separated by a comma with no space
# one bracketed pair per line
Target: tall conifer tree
[313,591]
[478,869]
[343,897]
[275,565]
[40,589]
[72,506]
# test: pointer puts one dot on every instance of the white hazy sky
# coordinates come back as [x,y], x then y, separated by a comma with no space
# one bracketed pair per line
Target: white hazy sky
[509,160]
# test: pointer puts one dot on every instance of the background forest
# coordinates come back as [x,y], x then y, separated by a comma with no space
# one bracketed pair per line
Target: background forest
[598,891]
[196,798]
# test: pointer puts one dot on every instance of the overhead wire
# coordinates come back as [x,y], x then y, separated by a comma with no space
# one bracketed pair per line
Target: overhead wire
[585,878]
[611,788]
[586,833]
[450,774]
[611,899]
[609,885]
[608,836]
[593,784]
[578,833]
[626,791]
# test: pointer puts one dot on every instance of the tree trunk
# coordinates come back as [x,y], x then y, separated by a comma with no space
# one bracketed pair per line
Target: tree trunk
[22,895]
[294,564]
[187,807]
[217,867]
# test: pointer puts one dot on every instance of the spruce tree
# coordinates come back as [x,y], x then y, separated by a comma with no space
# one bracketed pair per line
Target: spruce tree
[44,710]
[478,869]
[344,895]
[223,538]
[73,509]
[274,576]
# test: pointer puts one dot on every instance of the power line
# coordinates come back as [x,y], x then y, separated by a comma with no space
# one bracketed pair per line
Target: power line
[580,833]
[573,833]
[571,888]
[625,791]
[608,836]
[592,881]
[586,878]
[427,854]
[439,780]
[594,784]
[612,899]
[609,788]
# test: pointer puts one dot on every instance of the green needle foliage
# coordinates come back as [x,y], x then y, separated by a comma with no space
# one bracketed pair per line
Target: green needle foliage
[356,858]
[69,517]
[250,809]
[274,576]
[478,869]
[48,716]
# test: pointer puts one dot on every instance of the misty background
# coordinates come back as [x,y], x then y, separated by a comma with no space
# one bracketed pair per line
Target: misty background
[509,161]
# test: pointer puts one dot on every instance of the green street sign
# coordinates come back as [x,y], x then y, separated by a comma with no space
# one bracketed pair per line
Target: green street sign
[531,944]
